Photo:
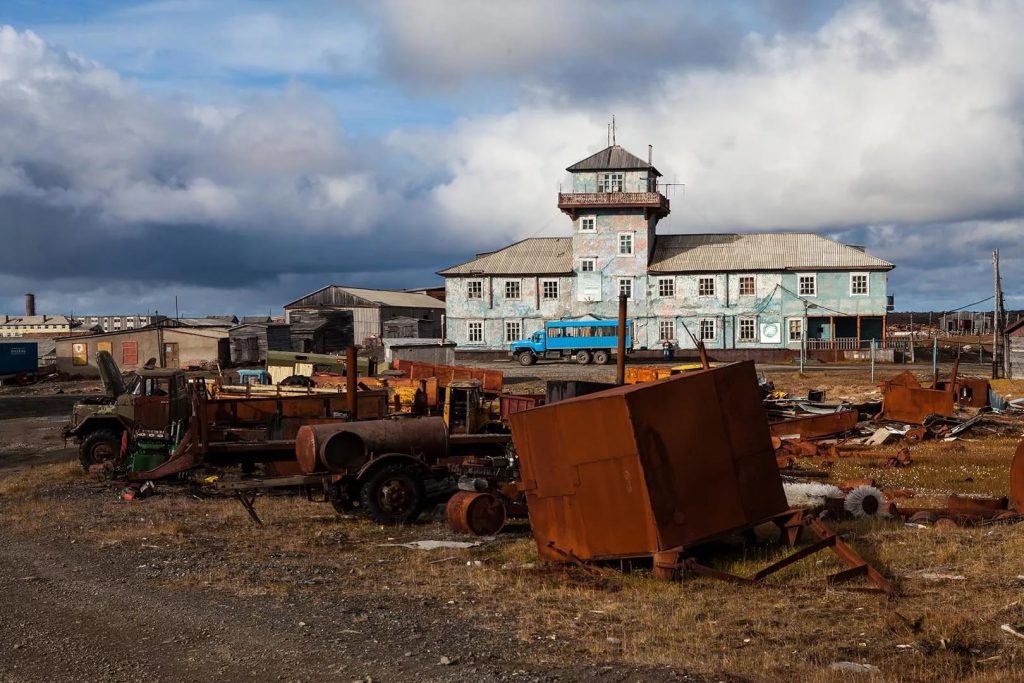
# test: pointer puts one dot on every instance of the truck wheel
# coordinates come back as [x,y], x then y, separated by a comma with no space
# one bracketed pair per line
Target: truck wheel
[582,357]
[527,359]
[601,357]
[340,499]
[393,495]
[99,447]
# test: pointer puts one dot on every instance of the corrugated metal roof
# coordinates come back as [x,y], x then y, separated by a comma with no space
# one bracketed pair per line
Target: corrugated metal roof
[612,158]
[389,297]
[757,251]
[533,256]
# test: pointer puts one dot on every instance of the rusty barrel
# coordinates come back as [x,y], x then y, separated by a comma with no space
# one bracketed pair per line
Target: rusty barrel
[1017,479]
[345,448]
[477,514]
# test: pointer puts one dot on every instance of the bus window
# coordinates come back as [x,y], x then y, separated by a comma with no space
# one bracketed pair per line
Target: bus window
[554,332]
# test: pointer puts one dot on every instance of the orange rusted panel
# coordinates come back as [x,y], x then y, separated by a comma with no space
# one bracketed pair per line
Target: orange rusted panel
[1017,479]
[910,404]
[491,381]
[640,469]
[816,426]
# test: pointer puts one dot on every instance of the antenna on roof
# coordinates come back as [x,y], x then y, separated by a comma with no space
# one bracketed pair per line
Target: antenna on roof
[609,129]
[613,129]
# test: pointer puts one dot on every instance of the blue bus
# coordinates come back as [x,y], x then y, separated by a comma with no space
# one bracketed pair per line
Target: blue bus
[585,340]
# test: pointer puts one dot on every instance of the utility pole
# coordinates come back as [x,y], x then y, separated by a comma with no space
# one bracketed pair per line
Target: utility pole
[995,315]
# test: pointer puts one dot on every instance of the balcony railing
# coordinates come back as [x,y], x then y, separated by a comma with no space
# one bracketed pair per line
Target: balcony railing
[852,344]
[580,200]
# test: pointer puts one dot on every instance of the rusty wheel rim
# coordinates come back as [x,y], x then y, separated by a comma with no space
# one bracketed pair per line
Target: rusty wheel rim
[396,496]
[101,452]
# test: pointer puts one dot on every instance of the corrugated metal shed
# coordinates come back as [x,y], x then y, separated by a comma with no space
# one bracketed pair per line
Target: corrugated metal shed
[758,251]
[613,158]
[337,295]
[533,256]
[434,351]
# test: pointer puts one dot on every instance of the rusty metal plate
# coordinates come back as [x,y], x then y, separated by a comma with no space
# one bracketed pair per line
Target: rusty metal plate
[910,404]
[816,426]
[491,381]
[1017,479]
[645,468]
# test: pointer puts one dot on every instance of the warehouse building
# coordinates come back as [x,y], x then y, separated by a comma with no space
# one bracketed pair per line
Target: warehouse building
[370,309]
[732,291]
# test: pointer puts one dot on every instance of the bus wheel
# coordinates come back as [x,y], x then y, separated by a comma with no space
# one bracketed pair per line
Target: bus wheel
[582,357]
[527,359]
[601,357]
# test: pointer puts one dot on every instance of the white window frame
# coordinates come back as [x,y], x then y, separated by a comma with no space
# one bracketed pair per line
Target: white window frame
[632,245]
[814,281]
[714,329]
[518,287]
[670,324]
[469,290]
[671,282]
[700,281]
[605,181]
[753,329]
[867,284]
[789,330]
[543,290]
[518,325]
[591,261]
[632,289]
[469,331]
[739,285]
[593,224]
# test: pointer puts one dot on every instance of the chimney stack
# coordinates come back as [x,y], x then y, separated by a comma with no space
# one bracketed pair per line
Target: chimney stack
[30,304]
[650,155]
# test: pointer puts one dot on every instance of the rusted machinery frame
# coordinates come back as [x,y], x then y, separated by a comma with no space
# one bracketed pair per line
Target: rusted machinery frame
[351,374]
[816,426]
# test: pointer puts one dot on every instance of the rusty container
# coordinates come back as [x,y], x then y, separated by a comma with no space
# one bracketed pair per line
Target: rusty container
[477,514]
[1017,479]
[345,448]
[646,468]
[816,426]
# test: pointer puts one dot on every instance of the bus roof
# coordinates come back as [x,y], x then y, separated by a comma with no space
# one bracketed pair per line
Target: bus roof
[582,323]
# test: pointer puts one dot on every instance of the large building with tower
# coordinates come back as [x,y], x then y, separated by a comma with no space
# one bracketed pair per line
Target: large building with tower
[733,291]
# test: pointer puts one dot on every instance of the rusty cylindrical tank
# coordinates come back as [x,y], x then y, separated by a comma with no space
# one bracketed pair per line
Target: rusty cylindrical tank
[478,514]
[345,448]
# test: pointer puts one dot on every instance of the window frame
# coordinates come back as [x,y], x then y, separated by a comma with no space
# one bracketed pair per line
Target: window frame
[593,219]
[469,331]
[632,245]
[789,330]
[518,284]
[618,289]
[469,290]
[605,181]
[662,324]
[867,284]
[753,285]
[799,284]
[518,326]
[671,282]
[714,329]
[591,261]
[752,326]
[700,282]
[544,290]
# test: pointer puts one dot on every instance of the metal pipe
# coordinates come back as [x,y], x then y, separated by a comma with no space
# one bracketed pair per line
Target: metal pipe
[873,342]
[935,359]
[620,360]
[351,373]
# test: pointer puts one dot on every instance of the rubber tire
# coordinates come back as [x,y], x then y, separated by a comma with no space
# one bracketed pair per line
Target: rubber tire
[368,494]
[602,357]
[527,359]
[582,357]
[340,500]
[86,454]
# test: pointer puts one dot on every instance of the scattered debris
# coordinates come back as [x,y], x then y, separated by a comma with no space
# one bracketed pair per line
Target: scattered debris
[434,545]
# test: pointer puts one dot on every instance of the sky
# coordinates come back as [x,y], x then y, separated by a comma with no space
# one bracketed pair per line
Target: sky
[239,154]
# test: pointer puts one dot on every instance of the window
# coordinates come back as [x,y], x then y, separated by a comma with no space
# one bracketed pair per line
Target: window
[707,329]
[588,224]
[706,286]
[796,330]
[858,284]
[667,330]
[513,331]
[129,353]
[746,285]
[666,287]
[131,323]
[549,289]
[807,285]
[626,287]
[610,182]
[512,289]
[586,265]
[475,289]
[625,244]
[476,332]
[79,353]
[748,329]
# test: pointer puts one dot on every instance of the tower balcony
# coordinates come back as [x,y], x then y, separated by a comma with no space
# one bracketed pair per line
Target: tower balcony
[574,203]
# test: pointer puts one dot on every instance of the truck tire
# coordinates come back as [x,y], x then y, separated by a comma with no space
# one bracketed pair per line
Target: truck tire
[393,494]
[527,359]
[98,447]
[582,357]
[601,357]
